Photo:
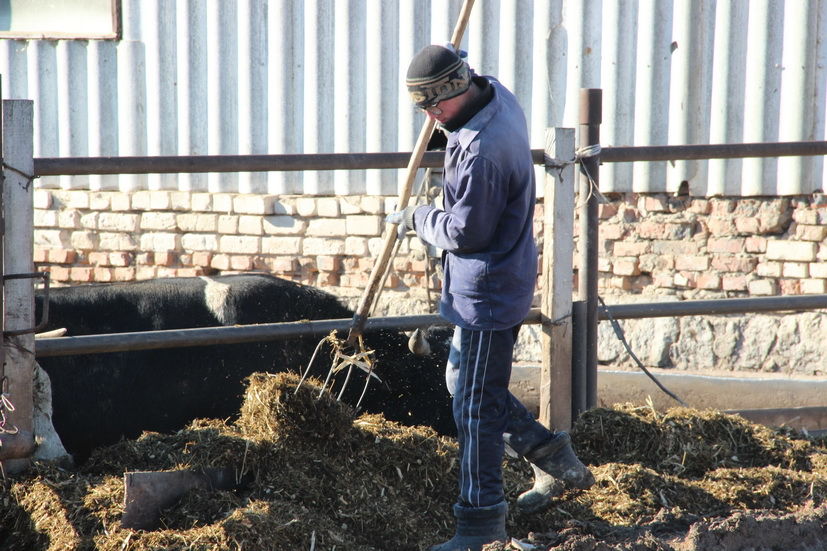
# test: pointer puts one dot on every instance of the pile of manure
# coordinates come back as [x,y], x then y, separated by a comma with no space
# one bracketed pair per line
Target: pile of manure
[315,475]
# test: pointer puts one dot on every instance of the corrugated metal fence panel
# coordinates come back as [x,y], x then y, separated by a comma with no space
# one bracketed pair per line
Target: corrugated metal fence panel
[195,77]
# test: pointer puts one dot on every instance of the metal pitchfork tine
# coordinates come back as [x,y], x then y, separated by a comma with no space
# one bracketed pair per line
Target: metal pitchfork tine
[361,359]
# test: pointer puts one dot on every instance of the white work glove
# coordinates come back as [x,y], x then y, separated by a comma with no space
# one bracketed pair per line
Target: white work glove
[450,46]
[404,218]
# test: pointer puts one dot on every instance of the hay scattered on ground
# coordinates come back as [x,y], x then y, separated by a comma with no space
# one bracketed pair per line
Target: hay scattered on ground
[318,477]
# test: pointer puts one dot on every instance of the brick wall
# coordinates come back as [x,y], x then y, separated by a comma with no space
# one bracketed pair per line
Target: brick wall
[648,243]
[83,237]
[734,247]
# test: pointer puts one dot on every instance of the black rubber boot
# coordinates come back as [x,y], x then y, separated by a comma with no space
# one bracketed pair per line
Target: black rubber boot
[476,526]
[555,467]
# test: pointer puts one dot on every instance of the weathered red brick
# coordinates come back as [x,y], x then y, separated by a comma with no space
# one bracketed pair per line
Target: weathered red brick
[692,263]
[709,281]
[220,262]
[102,274]
[201,258]
[789,286]
[755,244]
[721,207]
[40,254]
[611,231]
[327,263]
[720,226]
[83,274]
[189,271]
[120,259]
[652,230]
[774,216]
[123,274]
[284,264]
[746,225]
[307,265]
[806,232]
[98,259]
[734,263]
[805,216]
[146,272]
[734,283]
[606,210]
[631,248]
[241,262]
[725,245]
[625,267]
[700,206]
[58,273]
[675,247]
[630,215]
[165,258]
[327,279]
[62,256]
[684,279]
[655,203]
[401,264]
[663,279]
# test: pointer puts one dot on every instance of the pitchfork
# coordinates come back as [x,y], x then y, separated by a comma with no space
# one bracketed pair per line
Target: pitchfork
[362,356]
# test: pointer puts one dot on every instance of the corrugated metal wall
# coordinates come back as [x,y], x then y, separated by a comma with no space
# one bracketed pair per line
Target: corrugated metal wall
[193,77]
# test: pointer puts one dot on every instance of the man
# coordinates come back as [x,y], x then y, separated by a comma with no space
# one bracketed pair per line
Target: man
[490,268]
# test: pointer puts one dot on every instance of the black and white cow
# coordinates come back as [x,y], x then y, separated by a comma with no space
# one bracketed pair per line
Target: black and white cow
[101,398]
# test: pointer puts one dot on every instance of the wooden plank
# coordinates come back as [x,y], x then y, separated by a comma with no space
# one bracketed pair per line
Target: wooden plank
[556,280]
[18,132]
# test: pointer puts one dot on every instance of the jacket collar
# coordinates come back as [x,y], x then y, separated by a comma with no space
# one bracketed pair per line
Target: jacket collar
[467,133]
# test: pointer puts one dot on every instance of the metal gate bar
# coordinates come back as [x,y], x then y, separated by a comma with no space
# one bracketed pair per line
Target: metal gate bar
[176,338]
[74,166]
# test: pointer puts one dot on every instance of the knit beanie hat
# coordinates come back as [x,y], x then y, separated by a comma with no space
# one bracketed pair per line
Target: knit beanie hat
[436,73]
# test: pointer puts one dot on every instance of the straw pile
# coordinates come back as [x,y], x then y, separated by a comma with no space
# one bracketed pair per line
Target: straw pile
[319,477]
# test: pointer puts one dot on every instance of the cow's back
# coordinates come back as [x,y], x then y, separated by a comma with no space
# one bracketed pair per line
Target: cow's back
[101,398]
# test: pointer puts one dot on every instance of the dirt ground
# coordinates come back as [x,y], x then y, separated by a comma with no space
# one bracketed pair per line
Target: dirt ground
[314,476]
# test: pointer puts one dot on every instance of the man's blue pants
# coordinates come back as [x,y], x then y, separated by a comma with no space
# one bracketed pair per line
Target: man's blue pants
[487,415]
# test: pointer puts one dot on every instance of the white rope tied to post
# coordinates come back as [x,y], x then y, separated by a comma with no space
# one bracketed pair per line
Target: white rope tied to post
[588,152]
[581,154]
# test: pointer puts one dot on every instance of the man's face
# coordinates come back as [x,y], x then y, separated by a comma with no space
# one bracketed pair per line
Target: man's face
[445,110]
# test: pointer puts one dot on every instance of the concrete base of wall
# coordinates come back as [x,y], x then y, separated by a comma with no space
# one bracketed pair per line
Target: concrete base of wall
[799,403]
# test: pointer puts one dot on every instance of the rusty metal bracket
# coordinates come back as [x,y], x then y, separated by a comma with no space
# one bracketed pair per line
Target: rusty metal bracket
[17,445]
[44,314]
[146,493]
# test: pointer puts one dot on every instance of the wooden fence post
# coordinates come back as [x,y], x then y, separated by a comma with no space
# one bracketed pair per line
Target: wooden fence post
[558,253]
[18,166]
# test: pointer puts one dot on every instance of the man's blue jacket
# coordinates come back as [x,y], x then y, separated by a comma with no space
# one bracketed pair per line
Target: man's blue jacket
[486,227]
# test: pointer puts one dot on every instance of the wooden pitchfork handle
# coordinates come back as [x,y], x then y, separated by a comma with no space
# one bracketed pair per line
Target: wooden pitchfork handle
[360,318]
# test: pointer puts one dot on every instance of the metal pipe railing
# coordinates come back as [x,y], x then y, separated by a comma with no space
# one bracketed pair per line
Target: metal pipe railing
[205,336]
[711,151]
[714,306]
[176,338]
[76,166]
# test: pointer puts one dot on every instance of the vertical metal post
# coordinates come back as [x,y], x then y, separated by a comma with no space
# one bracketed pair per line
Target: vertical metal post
[591,107]
[578,359]
[558,254]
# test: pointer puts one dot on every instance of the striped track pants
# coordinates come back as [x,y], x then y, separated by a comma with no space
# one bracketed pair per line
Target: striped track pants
[486,414]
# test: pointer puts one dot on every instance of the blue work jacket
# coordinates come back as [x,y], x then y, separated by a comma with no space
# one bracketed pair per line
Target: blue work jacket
[486,227]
